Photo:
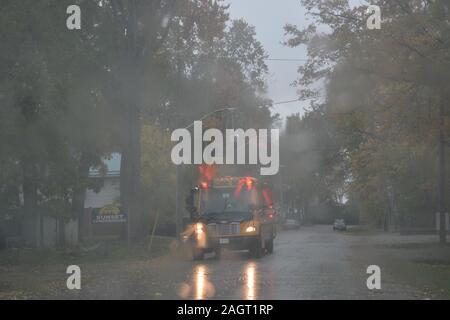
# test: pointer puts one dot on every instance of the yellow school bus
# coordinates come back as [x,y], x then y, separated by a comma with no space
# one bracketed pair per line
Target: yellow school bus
[230,212]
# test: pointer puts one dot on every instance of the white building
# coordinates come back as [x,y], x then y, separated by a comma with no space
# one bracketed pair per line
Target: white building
[103,216]
[110,190]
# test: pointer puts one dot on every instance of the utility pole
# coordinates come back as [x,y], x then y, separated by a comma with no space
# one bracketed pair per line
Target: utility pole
[177,203]
[442,173]
[130,158]
[178,102]
[178,217]
[281,190]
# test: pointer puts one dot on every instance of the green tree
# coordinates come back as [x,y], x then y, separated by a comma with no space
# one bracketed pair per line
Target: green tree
[383,93]
[53,111]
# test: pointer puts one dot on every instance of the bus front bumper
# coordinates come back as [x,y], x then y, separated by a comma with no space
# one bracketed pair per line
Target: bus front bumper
[233,242]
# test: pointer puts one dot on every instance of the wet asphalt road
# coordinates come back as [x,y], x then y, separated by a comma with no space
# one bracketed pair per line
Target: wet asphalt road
[312,263]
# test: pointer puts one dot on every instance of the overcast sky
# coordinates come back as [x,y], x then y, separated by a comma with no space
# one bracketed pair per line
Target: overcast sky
[269,17]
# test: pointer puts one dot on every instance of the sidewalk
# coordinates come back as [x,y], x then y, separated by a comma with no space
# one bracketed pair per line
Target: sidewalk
[414,260]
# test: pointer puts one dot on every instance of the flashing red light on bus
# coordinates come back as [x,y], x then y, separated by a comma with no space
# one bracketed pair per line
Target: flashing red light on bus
[267,198]
[204,185]
[249,183]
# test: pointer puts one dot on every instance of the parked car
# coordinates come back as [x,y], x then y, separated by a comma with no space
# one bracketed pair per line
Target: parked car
[291,224]
[339,225]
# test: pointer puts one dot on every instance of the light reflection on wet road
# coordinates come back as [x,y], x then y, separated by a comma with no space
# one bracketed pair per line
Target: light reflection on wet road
[199,285]
[250,281]
[313,263]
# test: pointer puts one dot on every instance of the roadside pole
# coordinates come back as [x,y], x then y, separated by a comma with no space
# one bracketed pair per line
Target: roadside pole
[281,191]
[177,203]
[178,217]
[442,174]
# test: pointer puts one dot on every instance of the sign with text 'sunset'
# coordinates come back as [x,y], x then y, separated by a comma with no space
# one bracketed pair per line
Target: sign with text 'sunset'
[108,214]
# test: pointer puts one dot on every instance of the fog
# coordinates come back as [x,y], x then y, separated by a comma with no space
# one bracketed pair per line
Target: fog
[166,150]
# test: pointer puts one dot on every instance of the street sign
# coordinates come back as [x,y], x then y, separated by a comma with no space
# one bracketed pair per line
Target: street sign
[108,214]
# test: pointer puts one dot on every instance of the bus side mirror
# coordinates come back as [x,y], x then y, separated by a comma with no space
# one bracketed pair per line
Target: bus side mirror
[267,206]
[190,203]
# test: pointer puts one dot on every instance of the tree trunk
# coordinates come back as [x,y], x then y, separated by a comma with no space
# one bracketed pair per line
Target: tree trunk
[131,147]
[80,193]
[132,74]
[442,173]
[130,175]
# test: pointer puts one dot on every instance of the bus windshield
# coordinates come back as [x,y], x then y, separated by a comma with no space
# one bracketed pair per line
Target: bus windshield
[228,200]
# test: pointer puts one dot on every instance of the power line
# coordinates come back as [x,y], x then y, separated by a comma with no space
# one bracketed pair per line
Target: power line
[231,110]
[286,60]
[285,102]
[296,100]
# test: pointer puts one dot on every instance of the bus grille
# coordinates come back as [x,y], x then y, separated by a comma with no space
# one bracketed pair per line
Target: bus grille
[224,229]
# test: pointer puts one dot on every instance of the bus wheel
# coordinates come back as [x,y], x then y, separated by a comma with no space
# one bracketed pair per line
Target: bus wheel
[269,246]
[256,250]
[218,253]
[197,254]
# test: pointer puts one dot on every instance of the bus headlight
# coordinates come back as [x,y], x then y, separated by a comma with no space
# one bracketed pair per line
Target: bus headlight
[199,228]
[250,229]
[200,235]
